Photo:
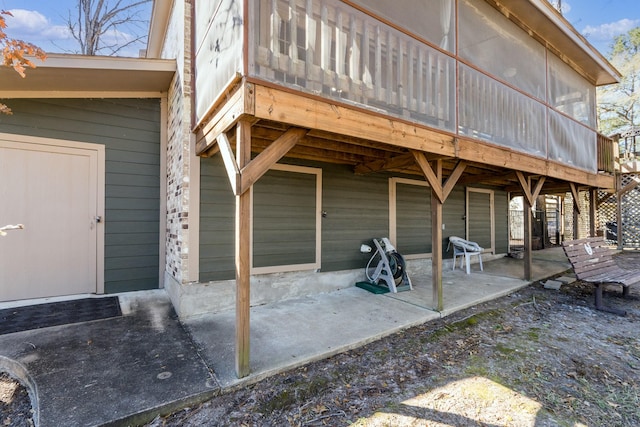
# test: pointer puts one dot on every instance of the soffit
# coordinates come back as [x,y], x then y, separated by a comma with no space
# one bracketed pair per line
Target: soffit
[76,73]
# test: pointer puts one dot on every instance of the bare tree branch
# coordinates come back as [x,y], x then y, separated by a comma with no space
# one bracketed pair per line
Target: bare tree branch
[99,21]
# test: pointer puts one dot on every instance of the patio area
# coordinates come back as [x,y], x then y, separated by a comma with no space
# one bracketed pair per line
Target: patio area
[82,365]
[295,332]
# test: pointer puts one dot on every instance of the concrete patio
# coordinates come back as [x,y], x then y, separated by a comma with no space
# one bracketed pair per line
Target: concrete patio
[125,370]
[295,332]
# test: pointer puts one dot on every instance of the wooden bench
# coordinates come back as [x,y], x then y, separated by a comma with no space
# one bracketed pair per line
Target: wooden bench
[592,261]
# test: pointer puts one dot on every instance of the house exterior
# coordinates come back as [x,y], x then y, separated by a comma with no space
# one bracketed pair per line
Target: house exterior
[293,131]
[300,129]
[81,165]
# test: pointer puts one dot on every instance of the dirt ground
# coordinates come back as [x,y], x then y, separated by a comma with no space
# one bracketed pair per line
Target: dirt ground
[538,357]
[15,406]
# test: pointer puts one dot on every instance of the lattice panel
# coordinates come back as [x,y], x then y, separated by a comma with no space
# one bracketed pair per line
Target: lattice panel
[607,222]
[630,207]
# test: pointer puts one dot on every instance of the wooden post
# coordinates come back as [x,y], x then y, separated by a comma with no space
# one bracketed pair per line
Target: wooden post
[242,253]
[575,195]
[593,201]
[576,219]
[439,193]
[528,257]
[436,251]
[530,194]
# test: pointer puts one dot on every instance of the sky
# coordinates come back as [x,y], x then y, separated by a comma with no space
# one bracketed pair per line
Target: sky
[43,22]
[601,20]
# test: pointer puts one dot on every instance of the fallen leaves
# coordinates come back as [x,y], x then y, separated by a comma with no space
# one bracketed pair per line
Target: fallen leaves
[574,363]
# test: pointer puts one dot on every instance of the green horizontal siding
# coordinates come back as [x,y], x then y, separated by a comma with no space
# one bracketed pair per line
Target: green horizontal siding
[217,222]
[357,210]
[501,212]
[284,219]
[130,131]
[479,212]
[453,219]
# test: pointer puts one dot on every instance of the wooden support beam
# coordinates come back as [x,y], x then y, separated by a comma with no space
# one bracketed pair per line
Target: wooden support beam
[575,197]
[524,185]
[243,173]
[493,178]
[270,131]
[576,220]
[436,238]
[550,187]
[385,164]
[439,194]
[225,94]
[536,191]
[530,195]
[453,179]
[434,181]
[238,105]
[211,152]
[365,143]
[330,116]
[265,160]
[528,257]
[230,163]
[436,251]
[242,179]
[242,255]
[300,151]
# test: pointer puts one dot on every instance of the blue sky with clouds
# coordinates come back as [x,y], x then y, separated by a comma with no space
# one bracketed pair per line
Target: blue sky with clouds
[601,20]
[43,22]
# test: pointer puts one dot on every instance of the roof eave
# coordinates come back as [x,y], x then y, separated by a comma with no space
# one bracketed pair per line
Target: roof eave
[77,74]
[561,37]
[160,13]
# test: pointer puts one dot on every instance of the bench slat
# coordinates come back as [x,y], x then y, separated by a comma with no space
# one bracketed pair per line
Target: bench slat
[599,266]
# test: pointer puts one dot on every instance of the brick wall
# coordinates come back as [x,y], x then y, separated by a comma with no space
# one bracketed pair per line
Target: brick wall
[179,144]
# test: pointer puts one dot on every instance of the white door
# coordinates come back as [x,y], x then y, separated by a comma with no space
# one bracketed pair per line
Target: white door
[55,189]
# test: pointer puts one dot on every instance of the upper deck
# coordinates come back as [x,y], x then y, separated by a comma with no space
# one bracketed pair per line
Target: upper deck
[466,80]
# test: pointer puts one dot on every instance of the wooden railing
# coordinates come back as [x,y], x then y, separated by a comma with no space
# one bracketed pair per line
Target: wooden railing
[331,49]
[606,154]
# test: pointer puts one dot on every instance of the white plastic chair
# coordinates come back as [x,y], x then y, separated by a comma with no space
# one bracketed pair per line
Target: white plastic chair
[465,249]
